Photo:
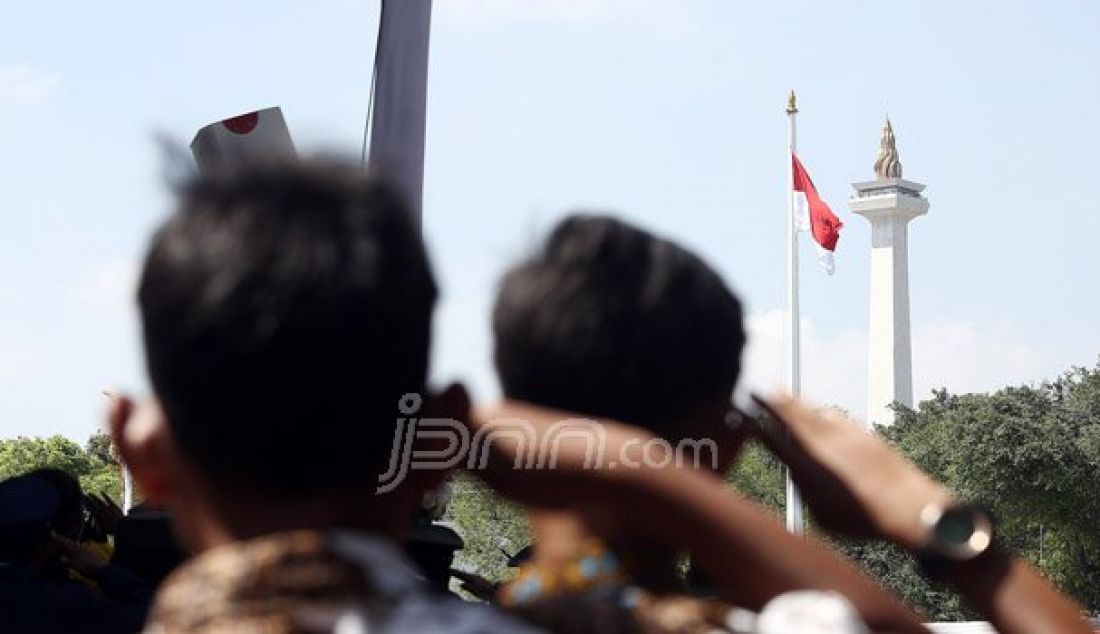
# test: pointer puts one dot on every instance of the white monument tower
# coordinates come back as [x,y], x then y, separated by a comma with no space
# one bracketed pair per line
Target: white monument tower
[889,202]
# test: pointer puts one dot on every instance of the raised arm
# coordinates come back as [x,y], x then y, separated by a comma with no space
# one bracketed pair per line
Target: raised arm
[857,485]
[740,545]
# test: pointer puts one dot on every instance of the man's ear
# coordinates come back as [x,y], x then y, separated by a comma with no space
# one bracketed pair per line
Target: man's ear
[140,432]
[453,402]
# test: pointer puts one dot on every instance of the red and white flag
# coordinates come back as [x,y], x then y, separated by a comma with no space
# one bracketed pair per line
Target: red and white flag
[253,137]
[812,215]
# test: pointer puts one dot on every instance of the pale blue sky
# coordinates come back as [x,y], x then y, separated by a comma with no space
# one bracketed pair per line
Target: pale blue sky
[668,111]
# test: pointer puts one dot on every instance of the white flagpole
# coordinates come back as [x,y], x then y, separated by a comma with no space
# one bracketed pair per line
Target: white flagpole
[127,490]
[794,345]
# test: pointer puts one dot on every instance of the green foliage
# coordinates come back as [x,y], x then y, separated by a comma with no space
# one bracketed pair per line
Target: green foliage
[93,466]
[898,571]
[1032,454]
[760,476]
[492,528]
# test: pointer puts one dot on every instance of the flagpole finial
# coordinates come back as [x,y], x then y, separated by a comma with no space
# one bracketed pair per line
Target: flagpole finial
[888,164]
[792,105]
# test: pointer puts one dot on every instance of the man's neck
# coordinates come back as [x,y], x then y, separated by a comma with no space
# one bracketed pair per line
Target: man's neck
[559,535]
[230,520]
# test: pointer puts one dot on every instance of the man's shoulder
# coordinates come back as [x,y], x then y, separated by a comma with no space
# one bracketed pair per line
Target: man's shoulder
[413,607]
[310,581]
[450,614]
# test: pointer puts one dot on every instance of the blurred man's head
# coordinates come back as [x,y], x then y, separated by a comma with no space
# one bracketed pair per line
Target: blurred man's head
[68,521]
[28,506]
[608,320]
[285,311]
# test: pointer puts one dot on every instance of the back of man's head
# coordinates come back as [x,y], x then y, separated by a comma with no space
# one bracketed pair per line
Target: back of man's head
[69,518]
[28,504]
[285,311]
[609,320]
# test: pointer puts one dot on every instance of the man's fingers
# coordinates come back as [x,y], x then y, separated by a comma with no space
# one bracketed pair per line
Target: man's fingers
[761,431]
[119,409]
[787,410]
[774,432]
[803,424]
[783,438]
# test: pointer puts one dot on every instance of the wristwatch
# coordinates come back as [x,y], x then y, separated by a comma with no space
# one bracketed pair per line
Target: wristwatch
[957,534]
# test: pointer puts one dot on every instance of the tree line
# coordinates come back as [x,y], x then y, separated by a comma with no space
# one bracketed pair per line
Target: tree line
[1031,453]
[93,464]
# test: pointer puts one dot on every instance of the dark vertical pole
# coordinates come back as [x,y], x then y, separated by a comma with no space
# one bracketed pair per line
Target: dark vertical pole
[400,98]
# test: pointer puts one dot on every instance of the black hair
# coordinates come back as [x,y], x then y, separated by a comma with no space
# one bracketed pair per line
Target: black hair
[286,309]
[608,320]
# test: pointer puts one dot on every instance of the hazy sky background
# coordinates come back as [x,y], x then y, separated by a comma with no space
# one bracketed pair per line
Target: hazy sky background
[669,112]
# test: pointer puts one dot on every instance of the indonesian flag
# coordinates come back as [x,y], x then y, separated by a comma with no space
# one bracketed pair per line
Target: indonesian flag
[813,215]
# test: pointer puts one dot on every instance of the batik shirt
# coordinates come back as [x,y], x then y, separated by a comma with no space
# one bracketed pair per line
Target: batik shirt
[591,593]
[311,582]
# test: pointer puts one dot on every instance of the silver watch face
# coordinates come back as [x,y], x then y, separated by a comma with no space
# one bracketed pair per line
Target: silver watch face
[962,532]
[955,527]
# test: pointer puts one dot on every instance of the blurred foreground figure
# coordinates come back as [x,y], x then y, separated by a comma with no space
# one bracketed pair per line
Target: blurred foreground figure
[145,544]
[612,323]
[38,558]
[859,487]
[286,310]
[609,321]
